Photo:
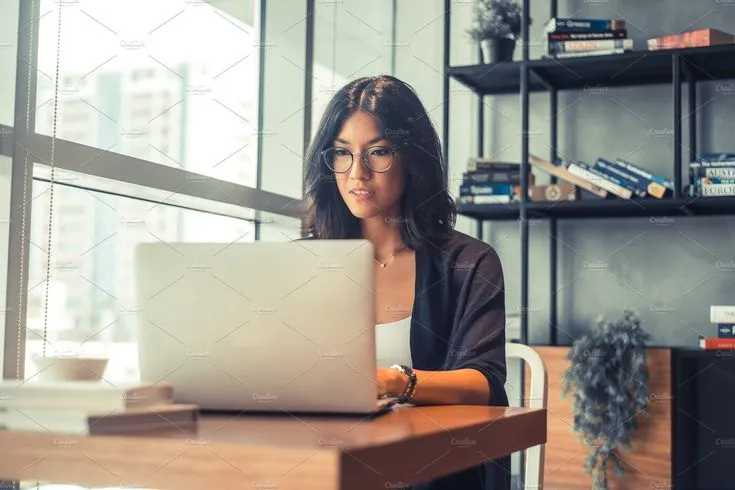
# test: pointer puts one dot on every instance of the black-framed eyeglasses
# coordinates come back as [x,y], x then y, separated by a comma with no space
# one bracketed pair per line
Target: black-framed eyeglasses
[376,158]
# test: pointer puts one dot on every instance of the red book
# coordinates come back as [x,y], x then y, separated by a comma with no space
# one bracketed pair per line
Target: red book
[714,343]
[692,39]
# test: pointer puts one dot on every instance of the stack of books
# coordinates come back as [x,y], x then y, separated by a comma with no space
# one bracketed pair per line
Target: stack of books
[574,38]
[91,407]
[490,182]
[608,177]
[724,319]
[487,181]
[712,174]
[692,39]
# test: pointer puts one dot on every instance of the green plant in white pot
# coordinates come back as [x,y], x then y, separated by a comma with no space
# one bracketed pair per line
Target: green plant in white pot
[609,379]
[496,25]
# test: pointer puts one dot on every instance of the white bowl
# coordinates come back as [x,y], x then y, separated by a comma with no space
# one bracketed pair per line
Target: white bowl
[70,368]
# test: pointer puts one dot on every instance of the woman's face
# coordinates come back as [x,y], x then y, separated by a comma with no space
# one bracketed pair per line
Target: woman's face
[367,193]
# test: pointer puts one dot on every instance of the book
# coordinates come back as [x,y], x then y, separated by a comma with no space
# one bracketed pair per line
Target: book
[714,173]
[486,199]
[583,54]
[722,314]
[724,160]
[480,163]
[711,190]
[554,192]
[706,187]
[612,172]
[584,171]
[569,36]
[714,343]
[711,169]
[716,180]
[96,422]
[712,164]
[567,24]
[562,173]
[635,169]
[726,330]
[82,395]
[641,181]
[589,45]
[494,176]
[487,189]
[692,39]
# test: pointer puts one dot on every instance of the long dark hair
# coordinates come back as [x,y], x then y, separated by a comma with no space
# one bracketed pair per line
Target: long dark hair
[428,212]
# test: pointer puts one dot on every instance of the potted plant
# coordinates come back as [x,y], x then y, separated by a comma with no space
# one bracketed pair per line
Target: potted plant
[496,25]
[608,376]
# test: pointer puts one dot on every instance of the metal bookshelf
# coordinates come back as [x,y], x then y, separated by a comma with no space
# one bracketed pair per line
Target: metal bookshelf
[673,67]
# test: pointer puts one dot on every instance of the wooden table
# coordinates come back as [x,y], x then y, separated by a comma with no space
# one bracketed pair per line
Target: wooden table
[280,452]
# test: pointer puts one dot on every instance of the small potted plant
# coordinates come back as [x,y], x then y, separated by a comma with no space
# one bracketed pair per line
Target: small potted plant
[496,25]
[609,380]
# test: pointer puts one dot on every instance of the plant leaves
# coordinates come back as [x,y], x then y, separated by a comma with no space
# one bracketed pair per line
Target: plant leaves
[608,379]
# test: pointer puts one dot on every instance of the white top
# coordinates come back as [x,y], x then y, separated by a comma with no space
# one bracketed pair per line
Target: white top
[392,343]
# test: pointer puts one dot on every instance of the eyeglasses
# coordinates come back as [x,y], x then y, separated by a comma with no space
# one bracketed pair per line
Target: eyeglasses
[376,158]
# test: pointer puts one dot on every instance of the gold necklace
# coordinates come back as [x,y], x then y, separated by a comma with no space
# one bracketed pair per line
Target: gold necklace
[390,259]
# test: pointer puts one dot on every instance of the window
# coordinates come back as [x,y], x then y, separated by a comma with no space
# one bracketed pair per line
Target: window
[91,308]
[346,48]
[155,99]
[5,167]
[352,38]
[282,135]
[185,66]
[8,59]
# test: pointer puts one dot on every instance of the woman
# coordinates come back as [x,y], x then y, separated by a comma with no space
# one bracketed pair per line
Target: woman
[374,171]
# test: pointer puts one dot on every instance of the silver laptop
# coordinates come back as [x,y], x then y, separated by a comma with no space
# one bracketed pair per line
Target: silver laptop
[264,326]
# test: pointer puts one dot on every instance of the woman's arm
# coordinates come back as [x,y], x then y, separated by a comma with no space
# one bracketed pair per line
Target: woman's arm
[459,387]
[474,370]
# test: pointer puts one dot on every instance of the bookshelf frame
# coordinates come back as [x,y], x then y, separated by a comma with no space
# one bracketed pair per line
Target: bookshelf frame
[675,67]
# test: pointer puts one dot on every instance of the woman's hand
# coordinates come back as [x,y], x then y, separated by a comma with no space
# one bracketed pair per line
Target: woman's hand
[460,387]
[390,381]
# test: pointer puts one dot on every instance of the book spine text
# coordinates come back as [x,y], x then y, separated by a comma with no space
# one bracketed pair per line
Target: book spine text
[589,45]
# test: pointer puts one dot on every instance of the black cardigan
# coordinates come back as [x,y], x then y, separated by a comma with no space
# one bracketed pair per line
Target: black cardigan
[459,322]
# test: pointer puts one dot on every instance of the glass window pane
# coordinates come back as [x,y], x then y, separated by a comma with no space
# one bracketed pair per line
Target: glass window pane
[5,165]
[283,99]
[8,52]
[170,81]
[91,307]
[277,228]
[8,59]
[352,39]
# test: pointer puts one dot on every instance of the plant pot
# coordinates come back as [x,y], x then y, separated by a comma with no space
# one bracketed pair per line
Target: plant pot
[497,50]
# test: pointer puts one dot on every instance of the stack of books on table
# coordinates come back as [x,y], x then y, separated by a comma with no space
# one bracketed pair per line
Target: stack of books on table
[574,38]
[608,177]
[712,174]
[699,38]
[723,317]
[91,407]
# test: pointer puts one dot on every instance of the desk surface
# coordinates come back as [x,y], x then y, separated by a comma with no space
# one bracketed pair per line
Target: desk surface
[280,452]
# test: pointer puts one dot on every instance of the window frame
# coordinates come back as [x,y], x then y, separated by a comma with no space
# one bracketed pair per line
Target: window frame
[29,150]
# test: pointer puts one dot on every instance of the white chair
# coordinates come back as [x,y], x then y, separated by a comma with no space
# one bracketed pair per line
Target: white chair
[533,474]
